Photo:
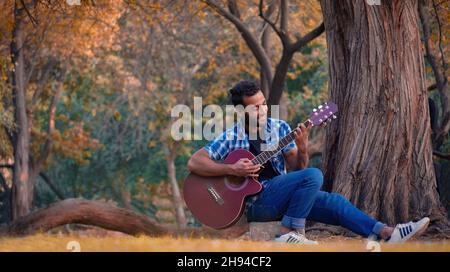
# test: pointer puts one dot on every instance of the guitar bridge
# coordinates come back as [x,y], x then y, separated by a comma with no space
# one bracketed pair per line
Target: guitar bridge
[215,195]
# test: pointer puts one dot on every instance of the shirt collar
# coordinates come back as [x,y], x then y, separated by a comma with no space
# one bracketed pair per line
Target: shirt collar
[240,127]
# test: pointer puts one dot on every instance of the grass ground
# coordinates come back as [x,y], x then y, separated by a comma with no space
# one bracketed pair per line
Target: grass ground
[123,243]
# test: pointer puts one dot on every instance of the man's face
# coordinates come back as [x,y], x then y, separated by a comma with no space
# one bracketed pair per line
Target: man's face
[256,107]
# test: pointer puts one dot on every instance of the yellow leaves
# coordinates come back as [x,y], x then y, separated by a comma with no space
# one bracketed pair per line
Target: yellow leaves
[151,125]
[117,116]
[152,143]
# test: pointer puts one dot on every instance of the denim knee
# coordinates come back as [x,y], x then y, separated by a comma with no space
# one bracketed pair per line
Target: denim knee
[315,177]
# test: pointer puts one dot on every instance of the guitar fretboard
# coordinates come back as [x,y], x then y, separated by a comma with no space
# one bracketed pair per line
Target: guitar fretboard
[265,156]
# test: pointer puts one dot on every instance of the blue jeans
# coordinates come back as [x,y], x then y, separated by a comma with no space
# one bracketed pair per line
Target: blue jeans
[296,196]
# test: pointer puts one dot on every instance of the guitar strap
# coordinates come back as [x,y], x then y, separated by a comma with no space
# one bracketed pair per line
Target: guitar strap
[268,171]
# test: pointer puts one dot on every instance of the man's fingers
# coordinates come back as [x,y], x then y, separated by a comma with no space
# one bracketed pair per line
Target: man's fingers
[297,132]
[253,166]
[303,128]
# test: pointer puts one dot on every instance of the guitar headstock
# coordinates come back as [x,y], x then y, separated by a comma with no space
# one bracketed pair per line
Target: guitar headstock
[323,114]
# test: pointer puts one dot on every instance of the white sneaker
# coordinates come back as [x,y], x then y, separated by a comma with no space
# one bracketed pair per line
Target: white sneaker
[404,232]
[294,237]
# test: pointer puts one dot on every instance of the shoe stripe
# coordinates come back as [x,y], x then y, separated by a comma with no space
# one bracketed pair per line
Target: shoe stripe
[409,230]
[401,233]
[293,240]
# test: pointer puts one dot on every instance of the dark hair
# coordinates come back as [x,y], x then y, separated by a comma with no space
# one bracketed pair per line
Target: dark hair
[243,88]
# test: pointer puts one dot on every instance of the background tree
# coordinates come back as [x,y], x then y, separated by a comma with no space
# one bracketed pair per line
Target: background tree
[292,42]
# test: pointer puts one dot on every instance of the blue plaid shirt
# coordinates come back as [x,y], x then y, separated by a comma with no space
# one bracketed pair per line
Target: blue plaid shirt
[236,138]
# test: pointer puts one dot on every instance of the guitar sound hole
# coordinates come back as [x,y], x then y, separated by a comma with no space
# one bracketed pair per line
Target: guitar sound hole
[235,183]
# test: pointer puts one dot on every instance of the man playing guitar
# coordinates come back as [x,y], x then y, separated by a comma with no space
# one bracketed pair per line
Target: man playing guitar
[290,197]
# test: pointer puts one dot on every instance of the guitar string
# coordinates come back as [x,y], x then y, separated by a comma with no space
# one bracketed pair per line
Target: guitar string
[264,156]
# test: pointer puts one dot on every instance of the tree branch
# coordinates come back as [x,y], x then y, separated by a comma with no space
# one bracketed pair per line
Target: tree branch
[50,129]
[3,183]
[280,33]
[46,179]
[438,19]
[441,155]
[432,87]
[284,11]
[32,19]
[233,8]
[42,80]
[55,190]
[439,74]
[308,37]
[248,37]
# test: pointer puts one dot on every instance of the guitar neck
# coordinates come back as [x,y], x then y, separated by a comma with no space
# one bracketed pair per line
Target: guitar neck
[265,156]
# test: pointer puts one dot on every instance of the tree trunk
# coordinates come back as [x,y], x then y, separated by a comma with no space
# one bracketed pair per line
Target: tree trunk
[379,153]
[81,211]
[178,201]
[265,43]
[22,196]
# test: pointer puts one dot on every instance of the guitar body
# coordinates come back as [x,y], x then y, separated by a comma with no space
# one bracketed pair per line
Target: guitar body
[218,202]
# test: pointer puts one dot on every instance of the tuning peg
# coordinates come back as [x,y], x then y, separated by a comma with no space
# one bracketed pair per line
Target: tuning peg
[320,120]
[314,110]
[334,116]
[320,107]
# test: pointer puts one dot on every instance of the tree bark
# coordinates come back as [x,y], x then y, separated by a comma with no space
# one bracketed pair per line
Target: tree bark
[379,152]
[21,195]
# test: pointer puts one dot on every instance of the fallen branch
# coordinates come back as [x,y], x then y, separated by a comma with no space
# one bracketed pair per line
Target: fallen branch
[88,212]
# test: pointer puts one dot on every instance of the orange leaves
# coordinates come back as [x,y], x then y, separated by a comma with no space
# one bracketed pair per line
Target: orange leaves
[75,143]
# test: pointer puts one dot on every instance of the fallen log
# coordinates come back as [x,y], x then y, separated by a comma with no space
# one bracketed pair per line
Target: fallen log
[94,213]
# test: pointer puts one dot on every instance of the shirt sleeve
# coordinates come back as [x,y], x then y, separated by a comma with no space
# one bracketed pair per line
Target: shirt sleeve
[218,148]
[285,129]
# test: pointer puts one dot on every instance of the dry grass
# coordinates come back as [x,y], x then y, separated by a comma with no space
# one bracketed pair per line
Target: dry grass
[122,243]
